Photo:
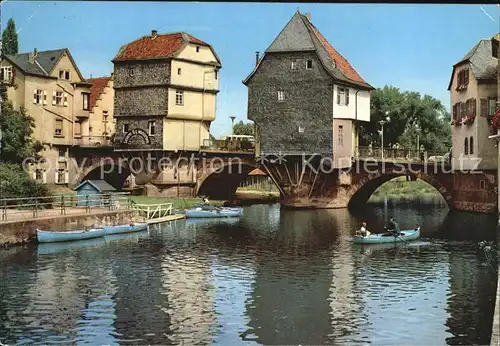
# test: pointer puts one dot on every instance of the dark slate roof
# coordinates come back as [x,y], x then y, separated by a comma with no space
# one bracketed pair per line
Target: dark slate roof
[481,60]
[43,64]
[300,34]
[100,185]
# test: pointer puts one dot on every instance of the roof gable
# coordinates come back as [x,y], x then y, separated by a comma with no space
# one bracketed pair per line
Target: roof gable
[481,61]
[43,63]
[157,47]
[294,37]
[97,88]
[301,35]
[99,185]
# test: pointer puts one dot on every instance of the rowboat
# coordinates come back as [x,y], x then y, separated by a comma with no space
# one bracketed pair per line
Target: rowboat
[213,213]
[385,238]
[50,237]
[126,228]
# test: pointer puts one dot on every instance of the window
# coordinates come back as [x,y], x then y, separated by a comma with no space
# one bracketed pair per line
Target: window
[281,95]
[38,175]
[309,64]
[466,146]
[152,128]
[6,73]
[341,135]
[342,96]
[62,154]
[293,65]
[482,185]
[491,106]
[61,176]
[216,73]
[38,97]
[179,98]
[197,49]
[125,128]
[301,129]
[86,101]
[179,71]
[471,145]
[130,71]
[59,127]
[59,98]
[463,78]
[64,74]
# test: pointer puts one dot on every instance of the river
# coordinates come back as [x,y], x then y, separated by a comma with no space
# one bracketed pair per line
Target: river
[272,277]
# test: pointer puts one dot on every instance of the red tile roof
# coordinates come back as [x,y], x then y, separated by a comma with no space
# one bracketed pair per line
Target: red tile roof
[342,64]
[161,46]
[257,171]
[98,85]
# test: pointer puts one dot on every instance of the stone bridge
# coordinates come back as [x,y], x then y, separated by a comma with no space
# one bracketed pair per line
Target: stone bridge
[304,182]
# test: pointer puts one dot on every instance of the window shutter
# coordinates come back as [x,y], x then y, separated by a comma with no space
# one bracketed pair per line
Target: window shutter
[474,106]
[338,96]
[66,177]
[56,176]
[455,111]
[33,174]
[347,96]
[34,96]
[484,107]
[65,100]
[44,97]
[466,76]
[44,177]
[53,98]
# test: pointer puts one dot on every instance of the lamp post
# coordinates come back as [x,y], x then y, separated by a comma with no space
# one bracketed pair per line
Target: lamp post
[232,124]
[382,122]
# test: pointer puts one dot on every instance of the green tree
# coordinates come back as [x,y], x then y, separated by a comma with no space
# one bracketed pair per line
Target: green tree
[9,38]
[17,130]
[242,128]
[413,119]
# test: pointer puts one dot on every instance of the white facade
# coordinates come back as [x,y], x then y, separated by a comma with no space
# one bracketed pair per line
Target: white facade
[358,106]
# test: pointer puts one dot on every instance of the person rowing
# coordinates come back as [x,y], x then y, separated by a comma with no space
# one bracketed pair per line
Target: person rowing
[393,227]
[363,231]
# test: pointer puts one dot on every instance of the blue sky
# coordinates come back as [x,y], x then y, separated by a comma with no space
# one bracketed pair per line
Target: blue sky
[412,47]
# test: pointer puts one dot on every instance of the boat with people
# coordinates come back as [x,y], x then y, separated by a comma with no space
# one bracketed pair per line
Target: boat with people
[125,228]
[51,237]
[388,237]
[213,213]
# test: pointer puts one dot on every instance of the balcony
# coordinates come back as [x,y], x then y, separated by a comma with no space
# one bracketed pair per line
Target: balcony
[93,141]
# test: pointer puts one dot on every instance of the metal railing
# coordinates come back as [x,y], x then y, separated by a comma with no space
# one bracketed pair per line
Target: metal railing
[227,145]
[93,141]
[401,155]
[12,209]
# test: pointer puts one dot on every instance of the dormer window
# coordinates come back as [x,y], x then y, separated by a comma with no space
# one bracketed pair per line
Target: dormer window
[130,71]
[309,64]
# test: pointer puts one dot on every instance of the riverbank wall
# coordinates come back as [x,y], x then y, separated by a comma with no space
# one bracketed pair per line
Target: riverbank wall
[23,231]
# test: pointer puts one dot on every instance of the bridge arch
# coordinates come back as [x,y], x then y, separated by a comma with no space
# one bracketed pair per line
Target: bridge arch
[115,172]
[361,192]
[221,179]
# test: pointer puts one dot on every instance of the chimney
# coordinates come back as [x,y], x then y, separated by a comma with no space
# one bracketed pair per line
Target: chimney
[256,58]
[32,56]
[308,16]
[154,33]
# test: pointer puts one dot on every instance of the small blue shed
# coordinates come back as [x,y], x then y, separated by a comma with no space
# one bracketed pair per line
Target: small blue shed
[98,192]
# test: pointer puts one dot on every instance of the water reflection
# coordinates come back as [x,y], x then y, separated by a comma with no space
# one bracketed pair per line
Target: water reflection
[273,276]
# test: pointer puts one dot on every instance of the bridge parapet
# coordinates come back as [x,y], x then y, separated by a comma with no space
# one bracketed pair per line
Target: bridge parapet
[401,155]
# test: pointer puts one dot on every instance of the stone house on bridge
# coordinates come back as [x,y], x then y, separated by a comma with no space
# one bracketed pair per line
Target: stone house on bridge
[165,92]
[65,106]
[305,97]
